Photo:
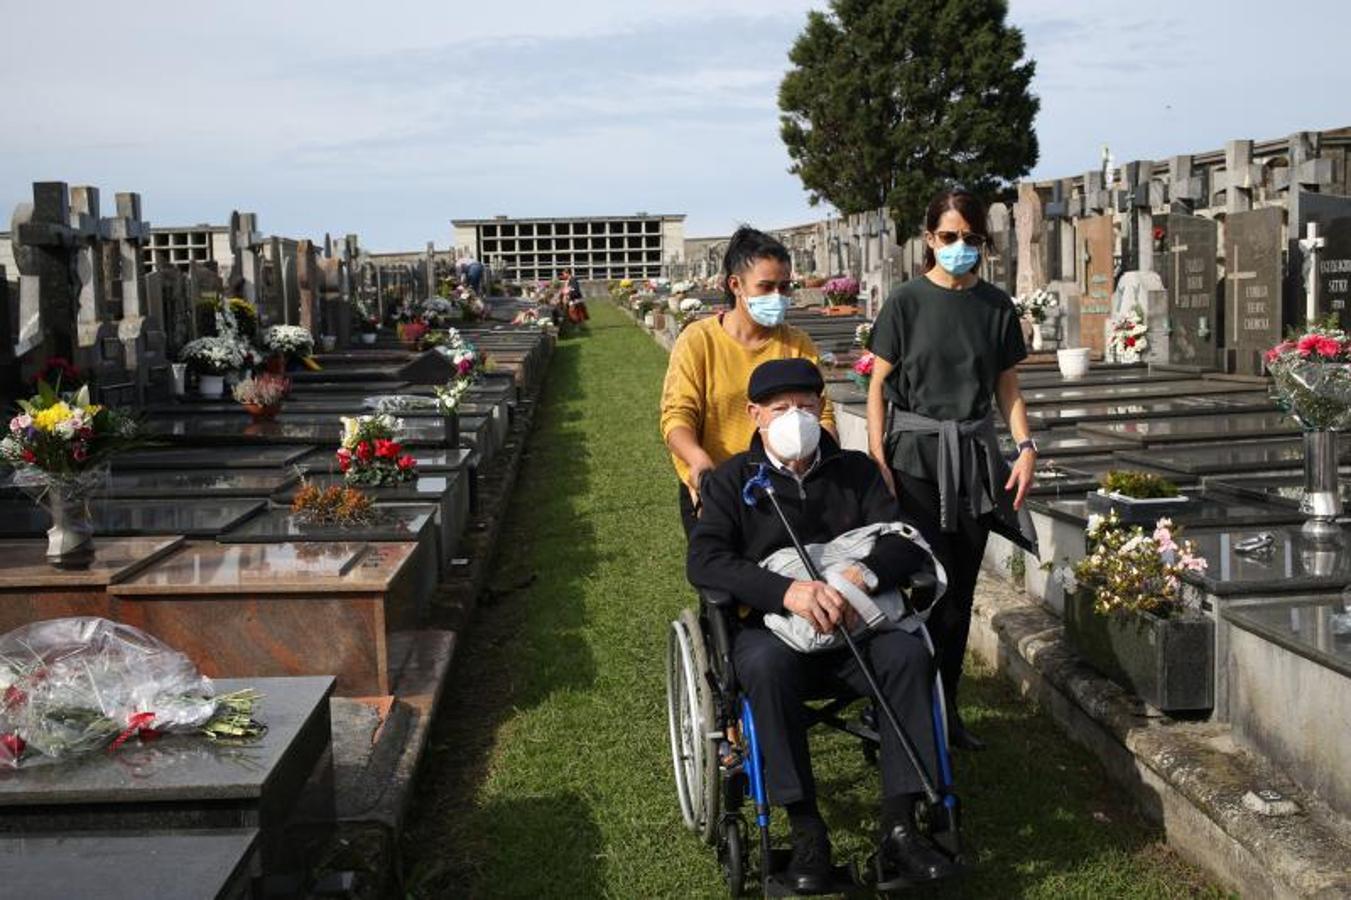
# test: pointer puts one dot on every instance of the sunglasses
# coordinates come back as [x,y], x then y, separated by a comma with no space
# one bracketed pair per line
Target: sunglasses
[970,238]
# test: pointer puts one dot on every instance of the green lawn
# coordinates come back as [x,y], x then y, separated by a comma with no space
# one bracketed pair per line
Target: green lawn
[549,772]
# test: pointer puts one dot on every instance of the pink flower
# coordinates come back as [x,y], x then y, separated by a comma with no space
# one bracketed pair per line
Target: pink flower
[79,452]
[1320,344]
[864,366]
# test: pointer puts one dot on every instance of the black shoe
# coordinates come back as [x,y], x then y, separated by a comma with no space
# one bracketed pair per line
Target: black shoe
[809,870]
[961,739]
[906,857]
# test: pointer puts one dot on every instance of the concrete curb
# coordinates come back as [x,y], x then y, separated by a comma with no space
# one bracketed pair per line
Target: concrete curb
[1188,777]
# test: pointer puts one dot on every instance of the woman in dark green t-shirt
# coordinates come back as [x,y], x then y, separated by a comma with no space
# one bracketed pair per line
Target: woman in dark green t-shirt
[946,347]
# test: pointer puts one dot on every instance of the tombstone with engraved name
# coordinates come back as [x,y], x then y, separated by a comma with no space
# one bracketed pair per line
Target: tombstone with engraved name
[1252,293]
[1096,246]
[1186,248]
[1331,260]
[142,335]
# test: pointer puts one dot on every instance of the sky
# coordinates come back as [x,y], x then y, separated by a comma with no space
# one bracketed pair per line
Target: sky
[389,120]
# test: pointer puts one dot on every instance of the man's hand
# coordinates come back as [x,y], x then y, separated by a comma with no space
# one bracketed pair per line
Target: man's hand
[818,603]
[1022,477]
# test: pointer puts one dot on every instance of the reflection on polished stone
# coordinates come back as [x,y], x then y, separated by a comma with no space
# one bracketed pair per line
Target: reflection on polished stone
[1195,429]
[23,563]
[1103,391]
[1058,414]
[244,456]
[1206,510]
[273,568]
[1292,563]
[1246,456]
[391,522]
[1320,630]
[423,487]
[187,483]
[131,517]
[1284,489]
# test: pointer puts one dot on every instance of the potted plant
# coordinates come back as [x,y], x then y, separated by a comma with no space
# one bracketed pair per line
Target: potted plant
[212,358]
[1039,311]
[59,445]
[814,281]
[1073,362]
[336,505]
[1137,497]
[288,346]
[262,396]
[1126,615]
[1311,377]
[841,291]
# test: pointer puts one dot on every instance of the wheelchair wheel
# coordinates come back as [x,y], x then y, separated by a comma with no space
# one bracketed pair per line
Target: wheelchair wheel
[694,734]
[732,844]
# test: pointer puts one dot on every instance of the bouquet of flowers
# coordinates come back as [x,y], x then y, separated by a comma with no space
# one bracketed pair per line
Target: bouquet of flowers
[684,286]
[59,371]
[262,395]
[290,341]
[73,686]
[333,505]
[415,331]
[841,291]
[448,397]
[370,453]
[60,437]
[1311,374]
[215,355]
[462,354]
[1127,340]
[532,317]
[1036,306]
[691,305]
[1127,569]
[471,306]
[437,312]
[863,334]
[861,373]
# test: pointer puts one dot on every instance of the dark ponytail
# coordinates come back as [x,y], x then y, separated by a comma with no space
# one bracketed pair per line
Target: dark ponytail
[745,248]
[967,204]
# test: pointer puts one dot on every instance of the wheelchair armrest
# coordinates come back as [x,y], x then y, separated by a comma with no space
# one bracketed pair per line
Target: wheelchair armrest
[718,607]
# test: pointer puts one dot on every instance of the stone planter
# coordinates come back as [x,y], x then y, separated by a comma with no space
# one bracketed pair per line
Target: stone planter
[211,385]
[1137,511]
[1167,663]
[70,540]
[1073,362]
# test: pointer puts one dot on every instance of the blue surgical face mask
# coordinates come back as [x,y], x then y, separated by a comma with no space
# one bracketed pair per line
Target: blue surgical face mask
[958,258]
[768,309]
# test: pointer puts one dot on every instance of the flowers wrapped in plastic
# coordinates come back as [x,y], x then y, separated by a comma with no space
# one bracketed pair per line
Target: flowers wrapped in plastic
[74,686]
[1312,377]
[371,453]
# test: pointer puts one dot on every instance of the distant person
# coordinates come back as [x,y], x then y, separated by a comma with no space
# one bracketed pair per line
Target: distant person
[572,290]
[703,400]
[473,274]
[946,347]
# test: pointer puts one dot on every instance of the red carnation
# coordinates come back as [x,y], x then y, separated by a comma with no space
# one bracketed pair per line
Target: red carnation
[1158,233]
[344,463]
[1129,342]
[364,452]
[13,745]
[386,449]
[406,463]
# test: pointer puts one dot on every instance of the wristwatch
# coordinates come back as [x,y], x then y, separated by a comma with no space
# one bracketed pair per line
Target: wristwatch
[1024,446]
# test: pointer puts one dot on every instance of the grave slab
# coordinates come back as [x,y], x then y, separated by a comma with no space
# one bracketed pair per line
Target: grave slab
[1055,415]
[1127,391]
[1200,428]
[279,609]
[189,484]
[1228,457]
[219,457]
[192,865]
[1294,564]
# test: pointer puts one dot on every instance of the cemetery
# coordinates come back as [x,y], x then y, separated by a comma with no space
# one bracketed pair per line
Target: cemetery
[335,572]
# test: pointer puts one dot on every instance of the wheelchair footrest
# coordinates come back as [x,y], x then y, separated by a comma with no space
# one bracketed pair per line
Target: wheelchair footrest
[843,879]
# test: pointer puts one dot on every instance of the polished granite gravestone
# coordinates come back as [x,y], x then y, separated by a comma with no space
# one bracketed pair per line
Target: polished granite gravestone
[1073,412]
[438,461]
[192,485]
[1285,490]
[130,517]
[207,864]
[1286,676]
[207,458]
[1132,391]
[1074,476]
[304,389]
[188,781]
[1227,457]
[1095,376]
[216,430]
[1065,442]
[1201,428]
[32,589]
[449,491]
[279,609]
[1293,564]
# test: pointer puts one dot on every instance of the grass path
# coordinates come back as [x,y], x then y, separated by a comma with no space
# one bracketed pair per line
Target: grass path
[549,773]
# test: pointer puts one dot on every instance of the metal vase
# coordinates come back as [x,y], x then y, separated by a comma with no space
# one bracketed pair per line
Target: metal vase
[70,540]
[1322,501]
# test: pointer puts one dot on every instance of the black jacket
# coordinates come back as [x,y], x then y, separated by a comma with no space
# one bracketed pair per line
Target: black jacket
[843,491]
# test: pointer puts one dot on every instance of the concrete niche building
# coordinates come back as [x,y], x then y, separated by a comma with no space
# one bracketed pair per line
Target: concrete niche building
[594,247]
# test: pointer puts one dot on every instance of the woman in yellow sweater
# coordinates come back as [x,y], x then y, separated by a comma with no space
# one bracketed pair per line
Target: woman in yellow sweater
[703,400]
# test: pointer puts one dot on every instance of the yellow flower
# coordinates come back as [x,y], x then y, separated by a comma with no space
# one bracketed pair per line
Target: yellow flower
[47,419]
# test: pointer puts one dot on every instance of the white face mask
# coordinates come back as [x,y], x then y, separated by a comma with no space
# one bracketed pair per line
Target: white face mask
[794,435]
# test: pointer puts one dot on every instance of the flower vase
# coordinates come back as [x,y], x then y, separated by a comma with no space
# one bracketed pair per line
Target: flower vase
[70,540]
[179,372]
[1322,501]
[368,337]
[1038,344]
[209,385]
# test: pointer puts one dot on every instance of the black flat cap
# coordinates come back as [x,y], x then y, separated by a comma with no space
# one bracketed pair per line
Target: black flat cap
[778,376]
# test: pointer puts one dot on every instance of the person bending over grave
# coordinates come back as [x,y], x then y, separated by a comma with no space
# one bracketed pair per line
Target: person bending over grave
[703,398]
[825,493]
[945,346]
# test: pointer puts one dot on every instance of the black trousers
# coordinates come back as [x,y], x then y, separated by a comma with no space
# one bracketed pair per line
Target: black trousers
[777,679]
[960,553]
[688,517]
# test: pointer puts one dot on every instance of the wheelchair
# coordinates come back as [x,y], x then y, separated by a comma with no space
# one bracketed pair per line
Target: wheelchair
[717,762]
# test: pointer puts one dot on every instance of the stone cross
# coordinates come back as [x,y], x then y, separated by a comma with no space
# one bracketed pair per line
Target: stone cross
[1241,177]
[1136,201]
[43,241]
[1237,275]
[91,304]
[1311,245]
[1186,188]
[430,268]
[1029,229]
[142,337]
[245,243]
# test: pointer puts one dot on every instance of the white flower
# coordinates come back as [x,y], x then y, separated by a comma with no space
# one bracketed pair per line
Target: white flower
[289,339]
[691,304]
[1095,522]
[349,428]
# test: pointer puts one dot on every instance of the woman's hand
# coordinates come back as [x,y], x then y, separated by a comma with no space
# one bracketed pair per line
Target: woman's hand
[888,477]
[1022,477]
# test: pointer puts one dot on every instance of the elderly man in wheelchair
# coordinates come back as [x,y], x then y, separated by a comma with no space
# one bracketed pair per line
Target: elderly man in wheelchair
[809,579]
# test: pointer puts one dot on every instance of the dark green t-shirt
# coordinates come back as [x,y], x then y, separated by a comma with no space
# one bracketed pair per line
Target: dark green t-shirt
[948,348]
